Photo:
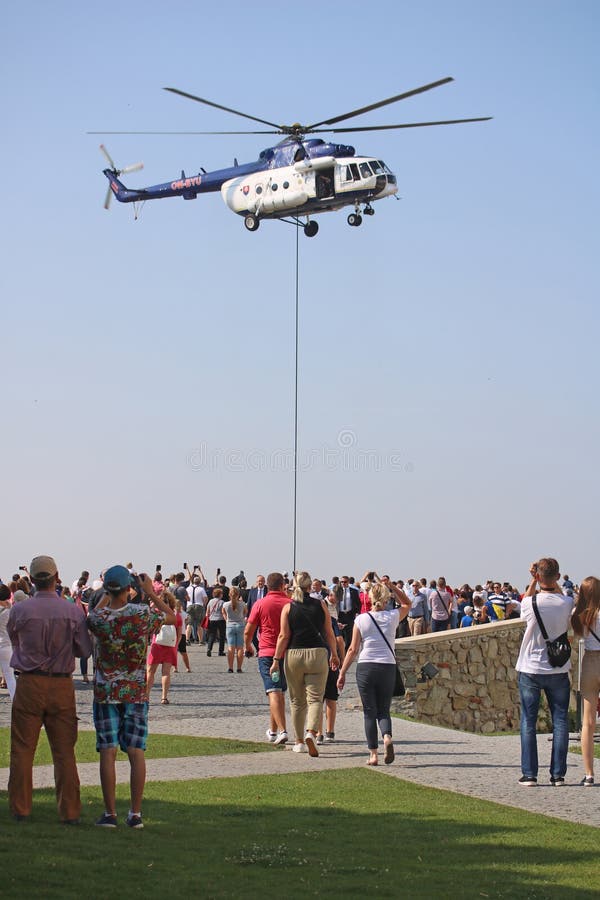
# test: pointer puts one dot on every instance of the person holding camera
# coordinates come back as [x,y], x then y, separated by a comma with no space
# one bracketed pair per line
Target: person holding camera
[122,629]
[538,672]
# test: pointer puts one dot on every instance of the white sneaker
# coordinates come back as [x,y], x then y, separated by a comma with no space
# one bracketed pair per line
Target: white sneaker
[271,736]
[299,748]
[311,743]
[281,738]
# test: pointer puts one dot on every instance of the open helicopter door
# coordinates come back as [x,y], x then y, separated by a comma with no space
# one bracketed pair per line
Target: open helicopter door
[324,185]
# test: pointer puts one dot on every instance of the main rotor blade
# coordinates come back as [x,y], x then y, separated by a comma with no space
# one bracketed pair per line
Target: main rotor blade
[186,132]
[108,197]
[405,125]
[236,112]
[365,109]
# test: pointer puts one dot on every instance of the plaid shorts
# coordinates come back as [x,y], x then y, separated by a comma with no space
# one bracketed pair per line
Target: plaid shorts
[122,724]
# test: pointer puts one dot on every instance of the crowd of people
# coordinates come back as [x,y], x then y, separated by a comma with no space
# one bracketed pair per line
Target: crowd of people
[306,632]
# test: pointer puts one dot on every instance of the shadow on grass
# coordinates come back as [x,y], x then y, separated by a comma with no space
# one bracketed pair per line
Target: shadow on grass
[344,834]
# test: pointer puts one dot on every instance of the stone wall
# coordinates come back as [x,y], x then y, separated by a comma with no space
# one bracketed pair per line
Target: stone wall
[476,688]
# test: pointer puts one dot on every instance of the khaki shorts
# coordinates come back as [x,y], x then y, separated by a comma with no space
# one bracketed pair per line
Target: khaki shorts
[590,676]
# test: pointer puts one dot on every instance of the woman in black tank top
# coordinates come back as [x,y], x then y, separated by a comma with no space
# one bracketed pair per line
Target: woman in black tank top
[307,635]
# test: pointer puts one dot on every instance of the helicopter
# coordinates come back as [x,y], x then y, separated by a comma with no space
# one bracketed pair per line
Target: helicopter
[293,181]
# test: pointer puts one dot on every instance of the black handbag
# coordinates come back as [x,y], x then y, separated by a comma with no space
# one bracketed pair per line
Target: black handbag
[559,650]
[399,689]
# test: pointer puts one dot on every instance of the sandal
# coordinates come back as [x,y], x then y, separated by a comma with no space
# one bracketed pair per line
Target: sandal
[165,701]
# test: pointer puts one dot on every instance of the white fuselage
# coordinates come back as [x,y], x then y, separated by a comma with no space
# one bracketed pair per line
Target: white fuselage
[309,186]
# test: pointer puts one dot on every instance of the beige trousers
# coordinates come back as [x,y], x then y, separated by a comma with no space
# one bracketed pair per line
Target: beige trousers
[306,674]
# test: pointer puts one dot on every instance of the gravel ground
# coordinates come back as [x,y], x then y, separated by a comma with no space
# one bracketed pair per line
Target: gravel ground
[212,702]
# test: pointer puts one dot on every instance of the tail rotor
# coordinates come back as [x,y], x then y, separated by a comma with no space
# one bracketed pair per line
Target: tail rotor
[116,172]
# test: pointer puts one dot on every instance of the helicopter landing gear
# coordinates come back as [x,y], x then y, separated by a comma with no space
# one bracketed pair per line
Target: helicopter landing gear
[368,210]
[311,228]
[251,222]
[355,219]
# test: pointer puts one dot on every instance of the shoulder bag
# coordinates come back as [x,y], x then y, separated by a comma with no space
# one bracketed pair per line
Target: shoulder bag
[167,636]
[559,650]
[399,689]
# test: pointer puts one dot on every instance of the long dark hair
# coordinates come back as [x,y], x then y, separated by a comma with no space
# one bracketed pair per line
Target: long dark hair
[587,606]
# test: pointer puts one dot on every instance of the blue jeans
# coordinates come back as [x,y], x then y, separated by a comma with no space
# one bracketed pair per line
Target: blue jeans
[557,690]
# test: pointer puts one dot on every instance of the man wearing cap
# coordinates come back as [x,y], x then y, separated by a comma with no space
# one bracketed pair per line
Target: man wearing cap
[122,626]
[46,635]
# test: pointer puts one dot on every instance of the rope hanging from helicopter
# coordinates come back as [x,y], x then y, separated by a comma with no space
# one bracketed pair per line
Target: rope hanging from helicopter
[138,206]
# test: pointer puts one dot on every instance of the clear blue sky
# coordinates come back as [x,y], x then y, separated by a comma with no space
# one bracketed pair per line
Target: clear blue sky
[454,335]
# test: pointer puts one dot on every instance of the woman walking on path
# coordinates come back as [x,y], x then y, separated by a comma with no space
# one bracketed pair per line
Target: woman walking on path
[163,655]
[182,644]
[234,612]
[216,622]
[5,645]
[306,632]
[586,624]
[376,668]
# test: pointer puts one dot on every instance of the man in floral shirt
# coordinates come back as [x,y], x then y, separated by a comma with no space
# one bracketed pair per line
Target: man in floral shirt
[122,629]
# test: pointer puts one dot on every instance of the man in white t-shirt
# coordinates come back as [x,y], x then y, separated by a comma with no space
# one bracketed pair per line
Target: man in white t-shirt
[196,606]
[537,675]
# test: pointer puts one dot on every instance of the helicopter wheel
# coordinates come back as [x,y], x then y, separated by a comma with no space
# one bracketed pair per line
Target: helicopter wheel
[251,222]
[311,228]
[369,211]
[355,219]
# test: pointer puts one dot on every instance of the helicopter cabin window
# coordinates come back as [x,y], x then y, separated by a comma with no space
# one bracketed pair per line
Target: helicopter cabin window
[365,170]
[286,185]
[258,189]
[273,187]
[350,173]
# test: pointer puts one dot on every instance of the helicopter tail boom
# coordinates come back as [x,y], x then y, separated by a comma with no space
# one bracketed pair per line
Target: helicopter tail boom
[123,194]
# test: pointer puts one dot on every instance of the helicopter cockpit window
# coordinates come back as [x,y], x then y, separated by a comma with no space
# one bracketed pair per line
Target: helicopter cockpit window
[384,167]
[365,170]
[376,166]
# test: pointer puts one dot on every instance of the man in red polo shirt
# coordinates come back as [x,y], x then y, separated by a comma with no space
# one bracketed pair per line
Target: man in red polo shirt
[46,633]
[266,616]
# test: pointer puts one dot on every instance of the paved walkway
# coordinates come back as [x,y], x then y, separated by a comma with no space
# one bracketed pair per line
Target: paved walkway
[210,702]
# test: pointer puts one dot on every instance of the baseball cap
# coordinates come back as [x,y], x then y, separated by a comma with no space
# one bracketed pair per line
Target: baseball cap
[42,566]
[117,578]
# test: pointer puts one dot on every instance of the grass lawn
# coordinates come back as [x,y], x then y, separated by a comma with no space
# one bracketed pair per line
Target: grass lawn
[159,746]
[577,749]
[338,834]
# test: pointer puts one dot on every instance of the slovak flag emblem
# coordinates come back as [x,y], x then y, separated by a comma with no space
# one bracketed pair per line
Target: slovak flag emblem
[246,188]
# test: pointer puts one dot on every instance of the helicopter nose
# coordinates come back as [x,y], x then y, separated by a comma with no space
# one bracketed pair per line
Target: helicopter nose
[385,185]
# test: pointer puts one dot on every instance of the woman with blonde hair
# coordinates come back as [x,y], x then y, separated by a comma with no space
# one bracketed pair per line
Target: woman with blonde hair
[586,624]
[164,655]
[373,641]
[234,613]
[305,632]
